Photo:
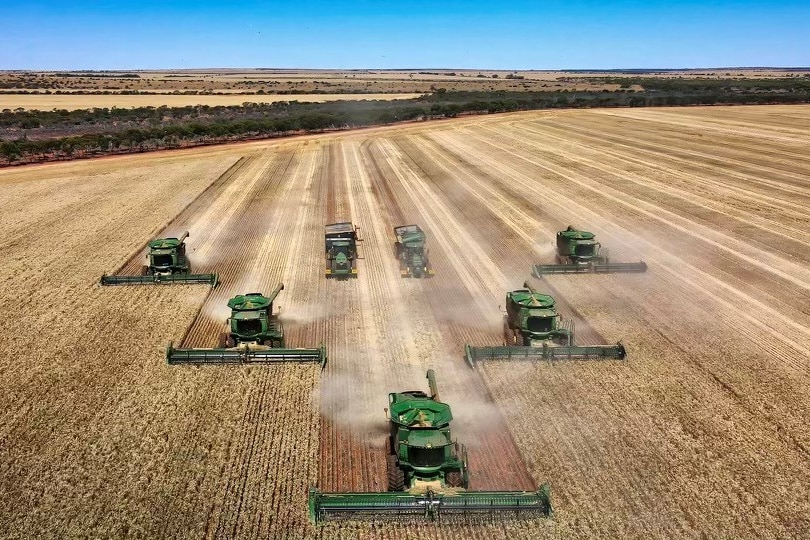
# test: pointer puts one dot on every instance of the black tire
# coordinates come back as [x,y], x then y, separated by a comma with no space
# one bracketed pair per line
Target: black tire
[454,479]
[396,476]
[144,270]
[223,339]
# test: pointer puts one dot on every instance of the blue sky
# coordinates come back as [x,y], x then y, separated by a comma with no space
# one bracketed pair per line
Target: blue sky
[394,34]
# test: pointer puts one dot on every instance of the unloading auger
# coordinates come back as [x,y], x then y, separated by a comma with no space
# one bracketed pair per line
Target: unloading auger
[254,335]
[578,252]
[427,475]
[534,330]
[168,263]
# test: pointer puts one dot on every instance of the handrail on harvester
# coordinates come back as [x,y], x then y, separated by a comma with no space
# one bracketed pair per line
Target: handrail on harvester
[430,506]
[244,355]
[157,279]
[545,352]
[539,270]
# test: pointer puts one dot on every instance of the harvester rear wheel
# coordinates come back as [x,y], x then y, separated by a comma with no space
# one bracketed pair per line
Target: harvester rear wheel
[396,476]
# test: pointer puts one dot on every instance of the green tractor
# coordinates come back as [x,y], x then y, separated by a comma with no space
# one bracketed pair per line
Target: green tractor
[532,319]
[578,252]
[254,335]
[427,474]
[168,263]
[252,321]
[533,329]
[411,252]
[422,454]
[341,250]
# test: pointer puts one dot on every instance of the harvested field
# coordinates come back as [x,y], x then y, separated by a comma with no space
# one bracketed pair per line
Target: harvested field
[702,431]
[47,102]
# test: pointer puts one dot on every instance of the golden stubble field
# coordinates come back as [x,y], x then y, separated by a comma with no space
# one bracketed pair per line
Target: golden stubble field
[701,432]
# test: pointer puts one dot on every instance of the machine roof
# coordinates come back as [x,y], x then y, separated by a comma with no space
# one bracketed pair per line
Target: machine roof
[164,243]
[419,412]
[248,301]
[336,228]
[578,235]
[526,298]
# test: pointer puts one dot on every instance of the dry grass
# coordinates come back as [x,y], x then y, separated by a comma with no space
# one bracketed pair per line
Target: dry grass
[46,102]
[702,431]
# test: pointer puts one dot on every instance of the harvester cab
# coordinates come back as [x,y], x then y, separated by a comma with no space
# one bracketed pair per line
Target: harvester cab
[167,256]
[253,335]
[422,453]
[341,250]
[167,263]
[576,247]
[252,321]
[534,330]
[411,252]
[427,474]
[578,252]
[532,318]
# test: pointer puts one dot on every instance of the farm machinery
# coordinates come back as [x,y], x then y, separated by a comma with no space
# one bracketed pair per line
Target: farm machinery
[168,263]
[427,474]
[411,252]
[578,252]
[341,250]
[254,335]
[534,329]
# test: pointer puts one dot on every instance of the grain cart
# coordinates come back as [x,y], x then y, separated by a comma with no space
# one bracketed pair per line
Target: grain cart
[427,474]
[533,329]
[411,252]
[578,252]
[168,263]
[341,250]
[253,335]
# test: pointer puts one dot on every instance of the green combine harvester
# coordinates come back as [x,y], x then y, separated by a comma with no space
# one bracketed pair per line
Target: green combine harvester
[168,263]
[411,252]
[578,252]
[254,336]
[341,250]
[427,474]
[533,329]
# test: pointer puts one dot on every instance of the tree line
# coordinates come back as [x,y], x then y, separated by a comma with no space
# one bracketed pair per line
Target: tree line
[33,136]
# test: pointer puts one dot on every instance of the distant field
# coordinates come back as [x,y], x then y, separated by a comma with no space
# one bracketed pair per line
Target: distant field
[46,102]
[283,81]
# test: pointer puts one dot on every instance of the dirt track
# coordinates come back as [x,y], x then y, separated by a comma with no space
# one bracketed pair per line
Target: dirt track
[703,430]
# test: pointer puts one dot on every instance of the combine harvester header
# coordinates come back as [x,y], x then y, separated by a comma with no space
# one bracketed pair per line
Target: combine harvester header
[168,263]
[254,335]
[578,252]
[427,475]
[534,330]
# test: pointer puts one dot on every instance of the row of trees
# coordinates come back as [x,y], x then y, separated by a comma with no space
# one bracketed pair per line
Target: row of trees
[66,134]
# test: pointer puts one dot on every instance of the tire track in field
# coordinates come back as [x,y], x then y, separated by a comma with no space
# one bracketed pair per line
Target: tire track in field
[133,265]
[237,244]
[761,228]
[684,288]
[495,462]
[787,326]
[673,149]
[782,135]
[467,190]
[740,275]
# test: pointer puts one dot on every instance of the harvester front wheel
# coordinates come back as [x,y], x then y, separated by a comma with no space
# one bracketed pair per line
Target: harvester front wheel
[455,479]
[396,476]
[144,270]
